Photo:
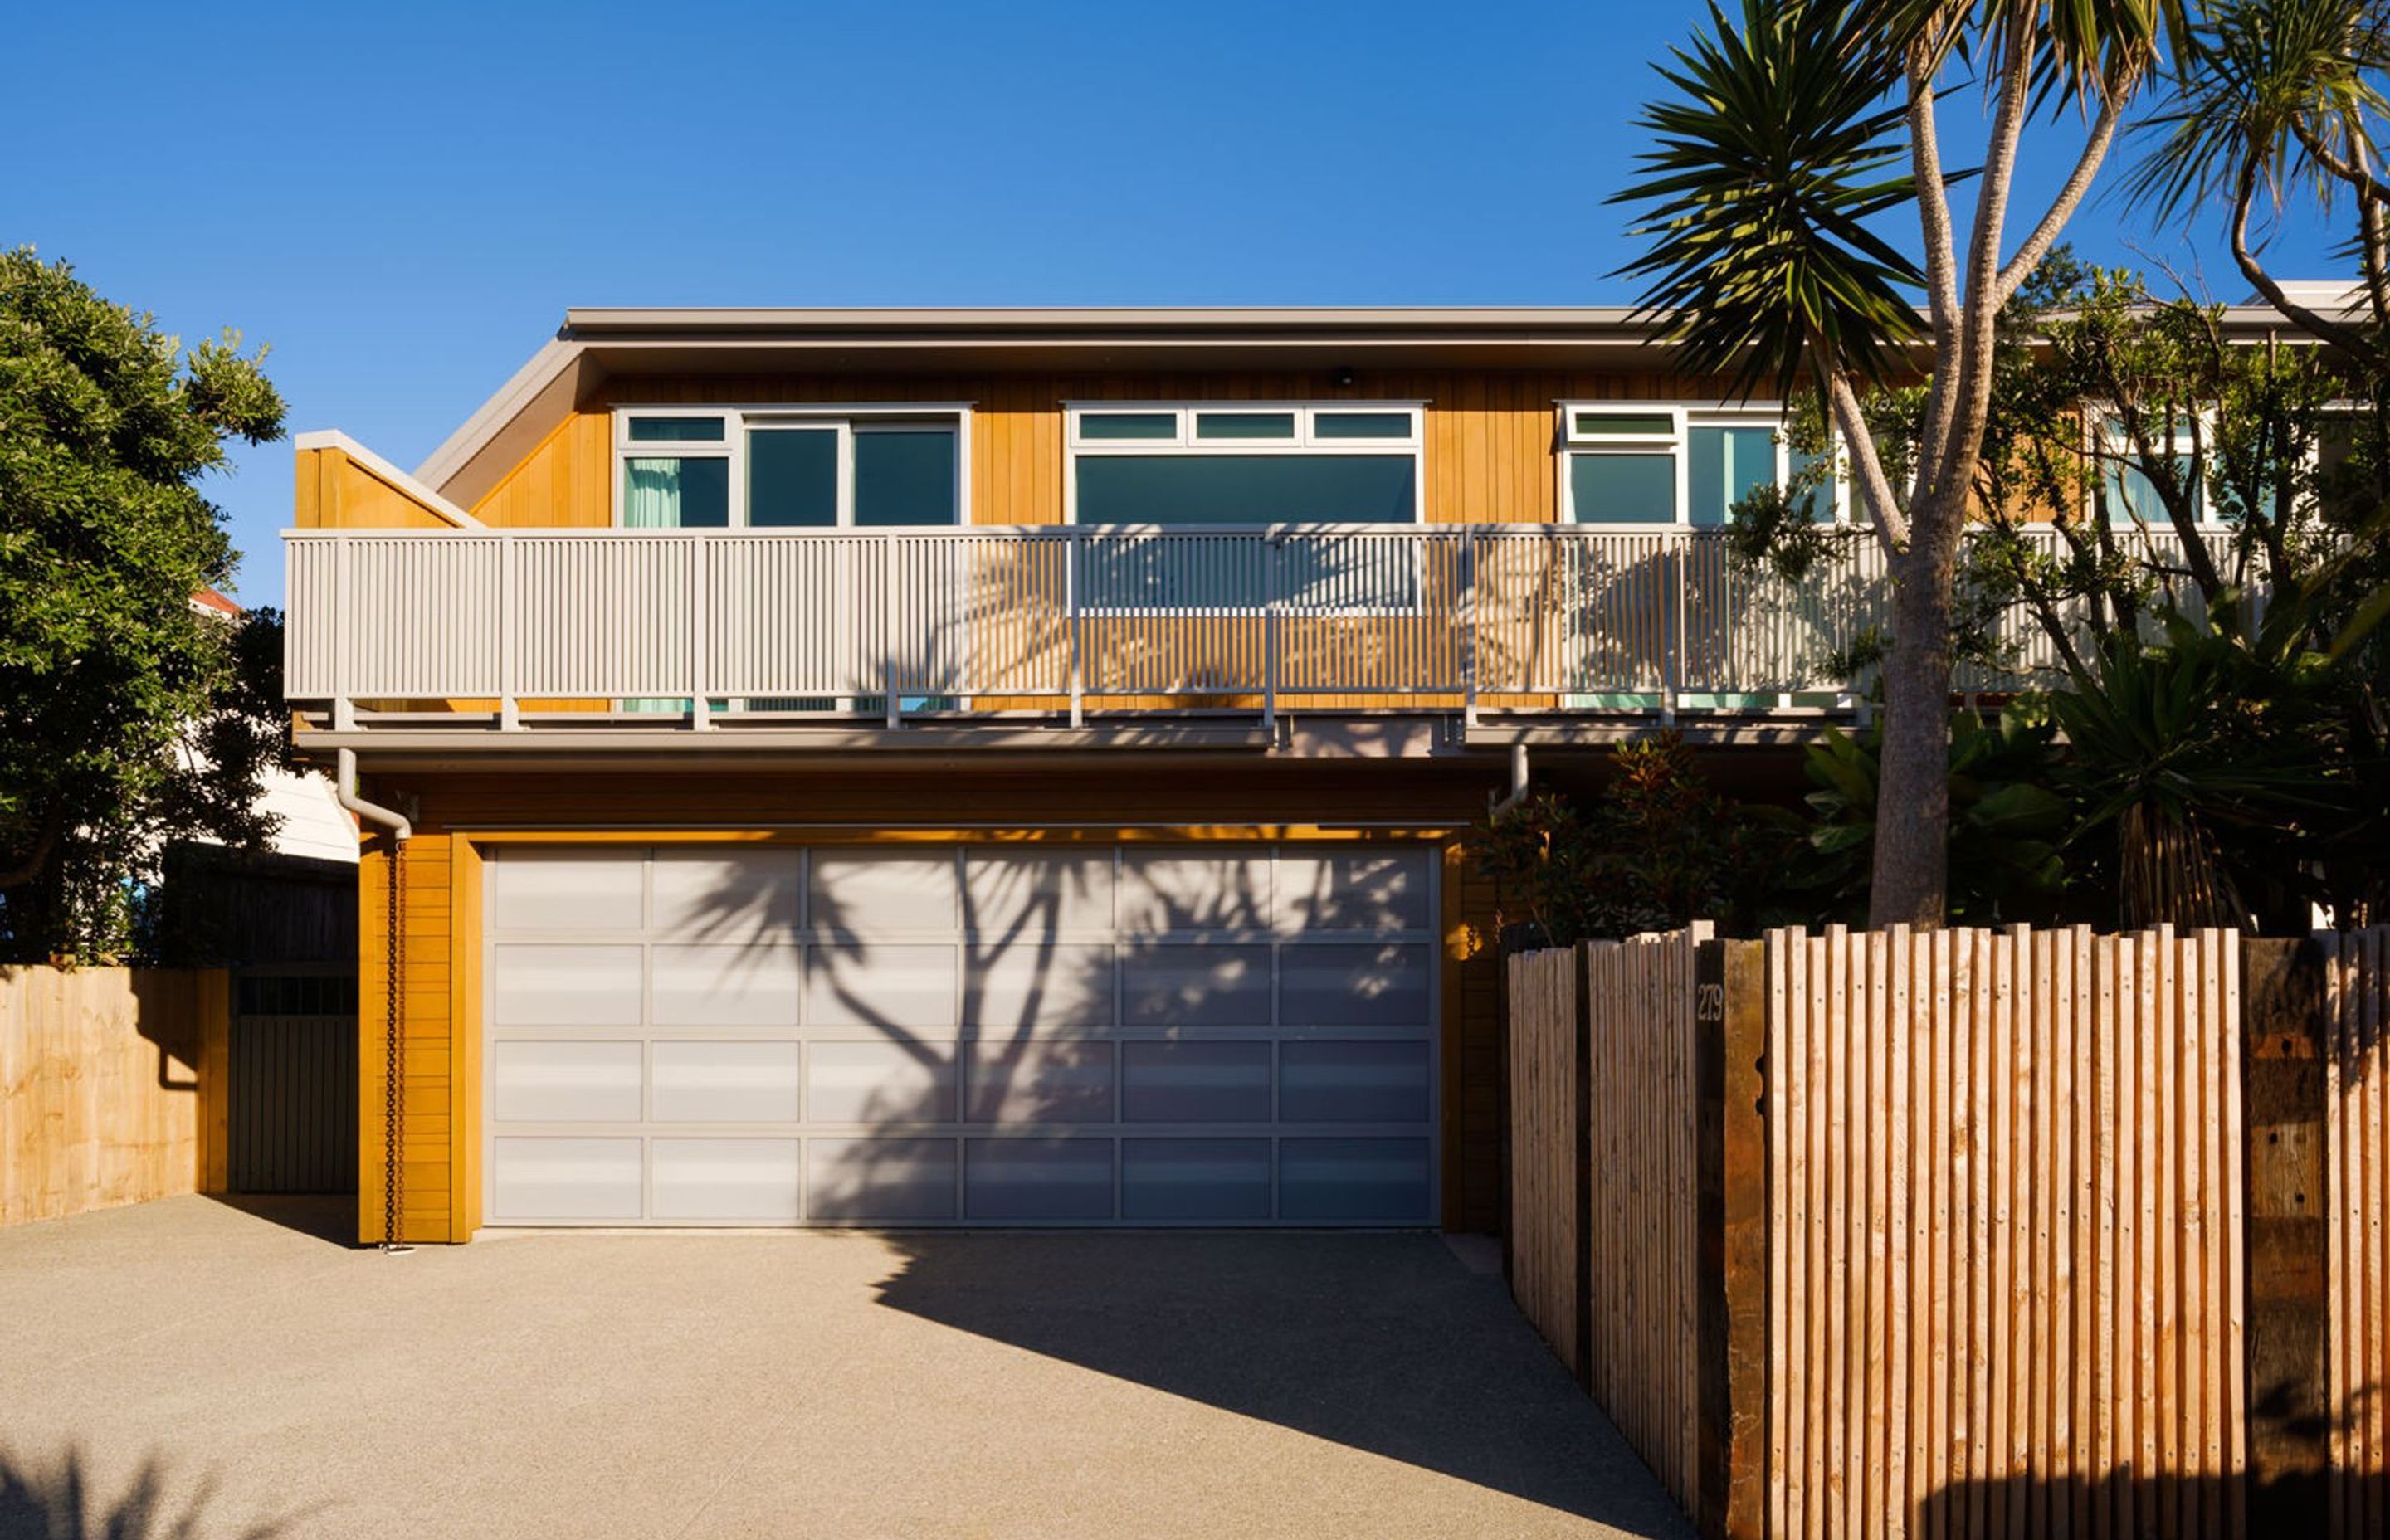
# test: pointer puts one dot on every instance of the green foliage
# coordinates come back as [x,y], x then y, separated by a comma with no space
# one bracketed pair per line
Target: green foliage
[2216,778]
[1777,151]
[2005,821]
[1657,847]
[126,717]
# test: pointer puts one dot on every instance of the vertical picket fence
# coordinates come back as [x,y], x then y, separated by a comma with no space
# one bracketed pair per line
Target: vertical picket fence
[2357,1158]
[1969,1233]
[1546,1167]
[1643,1253]
[2005,1273]
[1603,1249]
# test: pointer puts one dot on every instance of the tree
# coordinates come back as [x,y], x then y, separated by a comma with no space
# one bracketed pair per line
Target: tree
[127,717]
[1785,143]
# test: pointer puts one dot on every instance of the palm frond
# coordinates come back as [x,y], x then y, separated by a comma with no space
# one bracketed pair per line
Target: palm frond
[1777,148]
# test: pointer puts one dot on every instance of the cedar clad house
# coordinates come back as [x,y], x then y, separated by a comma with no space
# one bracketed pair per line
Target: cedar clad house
[1002,767]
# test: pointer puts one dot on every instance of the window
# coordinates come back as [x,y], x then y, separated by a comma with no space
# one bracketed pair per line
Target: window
[2130,496]
[1673,466]
[1245,464]
[791,467]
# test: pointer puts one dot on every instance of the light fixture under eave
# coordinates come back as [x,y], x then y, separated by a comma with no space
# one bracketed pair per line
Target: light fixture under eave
[1341,378]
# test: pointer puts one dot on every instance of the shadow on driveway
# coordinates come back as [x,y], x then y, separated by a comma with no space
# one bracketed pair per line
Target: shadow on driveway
[1380,1342]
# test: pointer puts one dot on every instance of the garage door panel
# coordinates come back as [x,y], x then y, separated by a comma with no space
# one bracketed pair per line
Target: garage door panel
[562,986]
[757,1181]
[1340,984]
[536,1180]
[872,893]
[1041,1082]
[880,1082]
[1053,1033]
[1353,1082]
[567,891]
[1175,888]
[887,1180]
[750,897]
[1218,1181]
[1195,985]
[1385,1180]
[1372,891]
[725,986]
[536,1081]
[698,1082]
[1038,985]
[1195,1083]
[873,984]
[1019,1179]
[1037,892]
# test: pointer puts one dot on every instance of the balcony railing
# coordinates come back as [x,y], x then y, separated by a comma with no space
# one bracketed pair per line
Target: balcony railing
[667,624]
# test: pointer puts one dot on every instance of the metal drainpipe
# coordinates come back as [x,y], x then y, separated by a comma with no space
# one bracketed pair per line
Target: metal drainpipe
[394,958]
[1496,806]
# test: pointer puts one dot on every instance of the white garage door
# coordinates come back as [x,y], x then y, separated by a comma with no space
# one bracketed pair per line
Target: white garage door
[1218,1035]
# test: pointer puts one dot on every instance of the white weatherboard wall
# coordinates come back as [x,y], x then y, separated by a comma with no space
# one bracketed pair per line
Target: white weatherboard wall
[1142,1035]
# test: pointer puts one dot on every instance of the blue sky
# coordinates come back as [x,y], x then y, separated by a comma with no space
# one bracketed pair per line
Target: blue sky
[404,199]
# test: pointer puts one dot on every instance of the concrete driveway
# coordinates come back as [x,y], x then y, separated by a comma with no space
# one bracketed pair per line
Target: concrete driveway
[787,1384]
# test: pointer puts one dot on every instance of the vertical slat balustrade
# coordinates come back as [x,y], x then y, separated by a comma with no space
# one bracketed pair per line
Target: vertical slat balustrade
[1542,616]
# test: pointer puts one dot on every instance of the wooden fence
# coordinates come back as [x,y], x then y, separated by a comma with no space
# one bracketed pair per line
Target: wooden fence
[113,1085]
[2357,1176]
[1973,1233]
[1604,1257]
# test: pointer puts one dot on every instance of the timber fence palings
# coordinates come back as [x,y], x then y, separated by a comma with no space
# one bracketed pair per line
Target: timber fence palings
[111,1088]
[2004,1191]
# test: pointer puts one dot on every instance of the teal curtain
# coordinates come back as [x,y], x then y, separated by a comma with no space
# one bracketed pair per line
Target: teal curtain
[651,494]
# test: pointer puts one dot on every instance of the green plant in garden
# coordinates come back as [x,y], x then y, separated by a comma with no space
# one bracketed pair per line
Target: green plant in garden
[2007,819]
[2213,777]
[127,718]
[1656,847]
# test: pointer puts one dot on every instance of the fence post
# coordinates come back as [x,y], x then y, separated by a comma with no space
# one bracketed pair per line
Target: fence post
[1730,1186]
[2283,1039]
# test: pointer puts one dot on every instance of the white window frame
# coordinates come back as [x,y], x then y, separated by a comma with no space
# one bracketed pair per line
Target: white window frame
[1683,417]
[737,420]
[1306,438]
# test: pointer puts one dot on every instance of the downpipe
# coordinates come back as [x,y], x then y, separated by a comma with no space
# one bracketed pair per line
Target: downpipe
[394,959]
[345,784]
[1497,806]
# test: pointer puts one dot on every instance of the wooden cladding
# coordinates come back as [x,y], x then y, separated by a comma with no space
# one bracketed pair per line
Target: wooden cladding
[112,1087]
[1998,1233]
[335,491]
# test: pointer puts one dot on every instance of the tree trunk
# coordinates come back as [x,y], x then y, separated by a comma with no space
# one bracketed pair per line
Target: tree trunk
[1912,800]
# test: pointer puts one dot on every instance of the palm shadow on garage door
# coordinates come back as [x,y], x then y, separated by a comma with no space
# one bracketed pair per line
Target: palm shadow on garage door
[1383,1342]
[1138,1034]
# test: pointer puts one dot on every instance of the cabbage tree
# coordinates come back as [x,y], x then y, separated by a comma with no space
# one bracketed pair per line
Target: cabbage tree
[1787,147]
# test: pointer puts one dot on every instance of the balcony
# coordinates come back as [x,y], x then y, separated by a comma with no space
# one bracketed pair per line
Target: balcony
[731,631]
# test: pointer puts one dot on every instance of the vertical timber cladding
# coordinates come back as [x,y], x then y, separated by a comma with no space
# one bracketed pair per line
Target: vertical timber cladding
[1227,1032]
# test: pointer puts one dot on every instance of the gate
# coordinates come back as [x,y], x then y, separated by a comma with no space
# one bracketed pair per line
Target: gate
[293,1083]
